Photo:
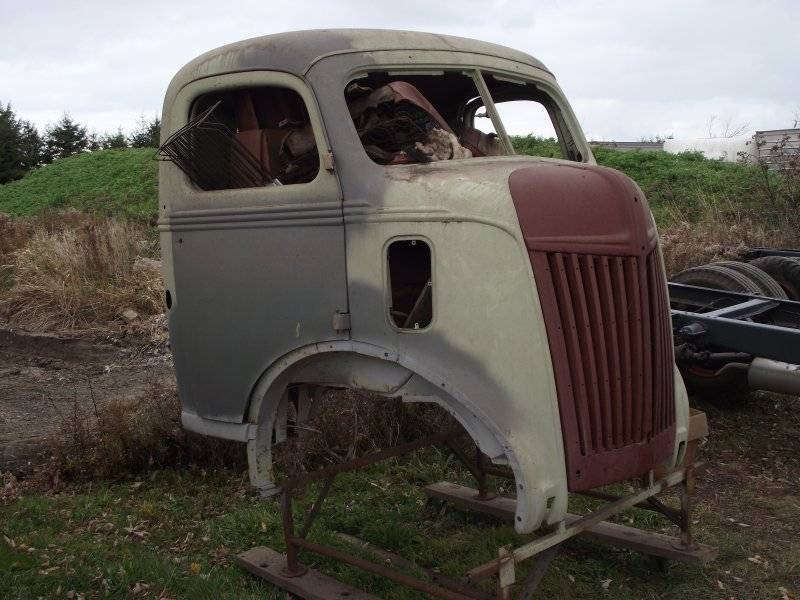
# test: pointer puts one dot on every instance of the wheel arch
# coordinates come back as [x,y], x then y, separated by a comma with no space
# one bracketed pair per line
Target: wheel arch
[362,366]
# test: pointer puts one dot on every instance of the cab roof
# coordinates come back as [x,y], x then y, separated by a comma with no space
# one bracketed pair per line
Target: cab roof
[296,51]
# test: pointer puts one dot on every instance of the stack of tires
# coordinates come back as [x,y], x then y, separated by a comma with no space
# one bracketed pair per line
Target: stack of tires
[772,276]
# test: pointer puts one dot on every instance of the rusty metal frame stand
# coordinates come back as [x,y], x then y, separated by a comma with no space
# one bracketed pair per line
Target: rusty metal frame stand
[593,525]
[287,572]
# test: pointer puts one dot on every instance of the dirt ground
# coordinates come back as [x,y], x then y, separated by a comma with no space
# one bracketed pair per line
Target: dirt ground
[44,376]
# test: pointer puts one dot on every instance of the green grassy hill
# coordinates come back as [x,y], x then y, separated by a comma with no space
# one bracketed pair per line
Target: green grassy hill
[687,182]
[107,183]
[675,184]
[124,182]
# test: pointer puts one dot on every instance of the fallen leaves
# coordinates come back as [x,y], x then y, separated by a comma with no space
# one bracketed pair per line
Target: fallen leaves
[137,533]
[139,588]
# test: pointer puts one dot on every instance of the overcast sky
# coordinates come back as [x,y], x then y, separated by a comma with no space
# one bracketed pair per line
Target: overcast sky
[630,69]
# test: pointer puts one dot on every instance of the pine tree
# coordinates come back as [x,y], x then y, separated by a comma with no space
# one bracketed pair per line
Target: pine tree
[20,146]
[146,134]
[31,146]
[10,168]
[65,138]
[95,142]
[114,140]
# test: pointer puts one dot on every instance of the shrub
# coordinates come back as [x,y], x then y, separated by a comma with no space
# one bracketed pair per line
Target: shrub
[121,437]
[347,423]
[536,146]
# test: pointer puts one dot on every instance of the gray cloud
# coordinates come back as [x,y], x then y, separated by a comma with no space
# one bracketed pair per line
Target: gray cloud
[630,69]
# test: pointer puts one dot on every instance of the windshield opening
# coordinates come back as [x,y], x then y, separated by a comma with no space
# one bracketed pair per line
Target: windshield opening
[404,118]
[413,117]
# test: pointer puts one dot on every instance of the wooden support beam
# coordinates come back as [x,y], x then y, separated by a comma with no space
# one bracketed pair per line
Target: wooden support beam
[313,585]
[647,542]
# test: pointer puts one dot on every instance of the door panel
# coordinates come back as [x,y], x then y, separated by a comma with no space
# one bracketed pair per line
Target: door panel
[254,273]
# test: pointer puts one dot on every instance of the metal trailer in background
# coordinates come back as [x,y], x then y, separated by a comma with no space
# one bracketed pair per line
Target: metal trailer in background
[733,341]
[777,147]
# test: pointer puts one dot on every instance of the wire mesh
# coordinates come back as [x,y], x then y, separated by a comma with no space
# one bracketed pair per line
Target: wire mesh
[211,157]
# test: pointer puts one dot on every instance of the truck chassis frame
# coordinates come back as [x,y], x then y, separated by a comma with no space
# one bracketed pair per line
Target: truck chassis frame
[722,318]
[712,317]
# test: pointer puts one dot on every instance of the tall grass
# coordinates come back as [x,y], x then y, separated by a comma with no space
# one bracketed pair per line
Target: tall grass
[132,435]
[77,271]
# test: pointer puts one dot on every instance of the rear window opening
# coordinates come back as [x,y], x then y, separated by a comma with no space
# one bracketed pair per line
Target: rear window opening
[410,284]
[247,137]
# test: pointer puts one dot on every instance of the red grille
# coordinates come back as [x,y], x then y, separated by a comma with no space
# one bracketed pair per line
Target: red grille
[608,325]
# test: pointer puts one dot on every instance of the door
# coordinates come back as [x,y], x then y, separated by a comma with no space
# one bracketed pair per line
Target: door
[255,262]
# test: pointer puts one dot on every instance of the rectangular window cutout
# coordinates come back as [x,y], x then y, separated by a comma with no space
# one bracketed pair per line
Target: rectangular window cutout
[247,137]
[410,284]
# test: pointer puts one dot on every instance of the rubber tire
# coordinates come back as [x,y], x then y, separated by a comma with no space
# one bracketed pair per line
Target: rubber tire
[784,270]
[768,285]
[730,388]
[718,278]
[726,390]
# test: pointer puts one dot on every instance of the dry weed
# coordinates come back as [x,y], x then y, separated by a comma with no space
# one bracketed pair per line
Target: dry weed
[113,439]
[724,232]
[346,424]
[10,489]
[13,235]
[80,272]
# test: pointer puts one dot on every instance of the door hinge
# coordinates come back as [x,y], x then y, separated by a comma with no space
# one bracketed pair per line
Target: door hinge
[341,321]
[327,161]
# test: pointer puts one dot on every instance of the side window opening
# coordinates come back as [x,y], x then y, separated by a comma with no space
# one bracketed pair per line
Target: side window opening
[244,138]
[416,118]
[410,284]
[530,117]
[528,125]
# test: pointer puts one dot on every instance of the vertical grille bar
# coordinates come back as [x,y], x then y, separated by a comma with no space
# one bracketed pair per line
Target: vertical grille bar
[613,352]
[598,329]
[650,350]
[668,390]
[576,384]
[637,350]
[584,332]
[623,319]
[658,350]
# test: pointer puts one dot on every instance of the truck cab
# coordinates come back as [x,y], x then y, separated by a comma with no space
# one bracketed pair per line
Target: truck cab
[346,209]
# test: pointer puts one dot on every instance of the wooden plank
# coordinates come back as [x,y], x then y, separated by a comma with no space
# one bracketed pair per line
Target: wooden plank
[500,507]
[268,564]
[647,542]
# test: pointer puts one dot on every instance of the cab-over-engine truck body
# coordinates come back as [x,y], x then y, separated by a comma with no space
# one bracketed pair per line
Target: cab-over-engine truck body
[547,329]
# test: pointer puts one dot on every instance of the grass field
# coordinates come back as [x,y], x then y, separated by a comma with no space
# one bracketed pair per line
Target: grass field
[170,534]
